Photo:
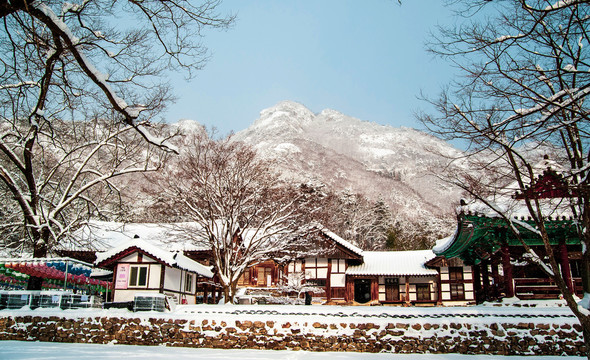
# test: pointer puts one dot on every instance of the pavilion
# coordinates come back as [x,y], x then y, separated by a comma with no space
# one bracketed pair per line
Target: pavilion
[485,240]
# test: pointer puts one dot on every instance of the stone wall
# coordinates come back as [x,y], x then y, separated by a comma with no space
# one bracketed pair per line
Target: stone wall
[455,335]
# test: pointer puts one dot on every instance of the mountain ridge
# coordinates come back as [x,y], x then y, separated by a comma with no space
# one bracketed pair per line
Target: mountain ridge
[398,165]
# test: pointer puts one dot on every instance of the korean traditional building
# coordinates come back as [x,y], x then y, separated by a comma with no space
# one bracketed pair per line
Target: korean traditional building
[146,258]
[155,257]
[139,266]
[499,260]
[325,270]
[393,277]
[345,274]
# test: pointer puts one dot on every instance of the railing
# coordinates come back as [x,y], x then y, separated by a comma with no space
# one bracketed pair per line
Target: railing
[16,299]
[541,288]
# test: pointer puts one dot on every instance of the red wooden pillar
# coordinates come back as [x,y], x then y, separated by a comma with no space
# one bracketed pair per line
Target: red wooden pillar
[329,282]
[349,292]
[407,279]
[566,271]
[438,289]
[507,269]
[375,288]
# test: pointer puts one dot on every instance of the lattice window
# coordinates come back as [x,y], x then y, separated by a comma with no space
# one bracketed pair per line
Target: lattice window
[138,275]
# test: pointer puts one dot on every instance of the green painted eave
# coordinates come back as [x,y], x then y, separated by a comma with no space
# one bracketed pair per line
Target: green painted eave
[479,236]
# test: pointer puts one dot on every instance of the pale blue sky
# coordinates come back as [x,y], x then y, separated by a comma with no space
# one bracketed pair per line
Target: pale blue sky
[365,59]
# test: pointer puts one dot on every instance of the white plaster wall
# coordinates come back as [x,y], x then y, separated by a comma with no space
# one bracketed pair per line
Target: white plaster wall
[172,279]
[154,276]
[412,292]
[467,275]
[147,259]
[129,294]
[337,280]
[444,273]
[446,291]
[129,258]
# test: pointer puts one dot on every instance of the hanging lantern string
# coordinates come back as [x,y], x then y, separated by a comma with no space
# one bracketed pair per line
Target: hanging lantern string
[77,273]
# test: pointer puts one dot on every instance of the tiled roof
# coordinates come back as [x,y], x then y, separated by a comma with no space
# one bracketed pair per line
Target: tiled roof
[104,235]
[342,242]
[398,263]
[173,259]
[504,200]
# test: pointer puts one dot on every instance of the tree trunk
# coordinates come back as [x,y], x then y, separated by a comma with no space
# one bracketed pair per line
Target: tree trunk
[39,251]
[585,271]
[229,292]
[585,322]
[226,294]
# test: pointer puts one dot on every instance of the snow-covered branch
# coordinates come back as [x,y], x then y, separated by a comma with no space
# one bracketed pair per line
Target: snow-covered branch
[242,211]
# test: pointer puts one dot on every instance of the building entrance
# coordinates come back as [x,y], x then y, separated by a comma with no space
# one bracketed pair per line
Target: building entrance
[362,290]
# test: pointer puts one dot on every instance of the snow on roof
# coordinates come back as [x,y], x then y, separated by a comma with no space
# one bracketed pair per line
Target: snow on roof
[516,209]
[104,235]
[173,259]
[505,203]
[341,241]
[394,263]
[442,244]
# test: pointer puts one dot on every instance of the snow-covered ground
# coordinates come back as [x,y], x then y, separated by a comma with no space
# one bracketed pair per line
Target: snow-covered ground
[16,350]
[511,312]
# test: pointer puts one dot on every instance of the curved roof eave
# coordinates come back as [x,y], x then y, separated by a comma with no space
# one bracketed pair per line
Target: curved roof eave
[458,242]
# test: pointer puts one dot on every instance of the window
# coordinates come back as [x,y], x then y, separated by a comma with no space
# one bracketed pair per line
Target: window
[456,283]
[245,278]
[457,291]
[456,273]
[188,282]
[264,276]
[316,268]
[422,292]
[338,266]
[138,276]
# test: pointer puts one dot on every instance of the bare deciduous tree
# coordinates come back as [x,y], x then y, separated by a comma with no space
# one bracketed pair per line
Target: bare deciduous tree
[65,63]
[527,77]
[61,59]
[68,176]
[238,207]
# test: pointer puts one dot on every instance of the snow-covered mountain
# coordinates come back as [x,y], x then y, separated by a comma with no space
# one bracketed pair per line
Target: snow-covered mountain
[345,153]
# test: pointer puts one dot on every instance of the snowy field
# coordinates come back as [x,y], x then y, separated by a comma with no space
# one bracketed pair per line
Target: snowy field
[514,312]
[56,351]
[509,311]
